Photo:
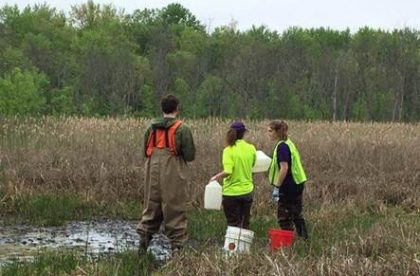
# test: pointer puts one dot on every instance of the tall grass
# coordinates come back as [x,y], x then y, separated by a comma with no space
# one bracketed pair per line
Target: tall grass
[101,159]
[362,200]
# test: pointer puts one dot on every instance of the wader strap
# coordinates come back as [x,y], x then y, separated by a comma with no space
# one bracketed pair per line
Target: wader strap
[154,137]
[167,137]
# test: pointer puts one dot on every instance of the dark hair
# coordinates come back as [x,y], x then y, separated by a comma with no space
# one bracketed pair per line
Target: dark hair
[169,104]
[281,128]
[233,135]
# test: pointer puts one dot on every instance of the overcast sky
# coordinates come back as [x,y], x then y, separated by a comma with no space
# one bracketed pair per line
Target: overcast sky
[278,14]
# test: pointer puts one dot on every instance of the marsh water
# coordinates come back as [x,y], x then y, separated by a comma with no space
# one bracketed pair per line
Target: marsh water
[92,238]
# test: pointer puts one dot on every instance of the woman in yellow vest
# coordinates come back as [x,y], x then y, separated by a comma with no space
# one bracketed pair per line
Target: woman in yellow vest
[238,159]
[287,176]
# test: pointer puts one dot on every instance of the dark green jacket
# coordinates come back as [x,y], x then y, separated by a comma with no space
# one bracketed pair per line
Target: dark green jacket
[183,138]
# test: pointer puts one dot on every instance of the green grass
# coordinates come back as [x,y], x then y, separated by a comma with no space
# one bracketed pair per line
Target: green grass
[53,210]
[65,263]
[44,264]
[206,225]
[341,235]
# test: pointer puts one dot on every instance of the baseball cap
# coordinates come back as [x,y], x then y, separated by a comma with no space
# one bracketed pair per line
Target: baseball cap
[238,126]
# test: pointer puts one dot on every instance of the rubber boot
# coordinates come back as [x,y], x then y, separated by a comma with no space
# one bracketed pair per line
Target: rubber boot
[144,243]
[301,229]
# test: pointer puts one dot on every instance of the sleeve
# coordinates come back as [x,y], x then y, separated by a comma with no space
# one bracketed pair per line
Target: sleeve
[227,161]
[187,144]
[255,156]
[145,138]
[283,153]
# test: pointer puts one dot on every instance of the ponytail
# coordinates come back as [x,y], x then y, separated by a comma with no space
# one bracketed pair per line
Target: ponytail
[233,135]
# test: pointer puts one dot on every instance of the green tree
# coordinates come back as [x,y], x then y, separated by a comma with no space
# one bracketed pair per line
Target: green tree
[102,61]
[360,110]
[186,97]
[211,98]
[177,15]
[109,81]
[22,93]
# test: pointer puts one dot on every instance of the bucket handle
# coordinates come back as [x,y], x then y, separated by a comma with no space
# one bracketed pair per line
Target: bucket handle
[240,230]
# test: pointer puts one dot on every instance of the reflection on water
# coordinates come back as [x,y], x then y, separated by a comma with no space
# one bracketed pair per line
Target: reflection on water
[90,237]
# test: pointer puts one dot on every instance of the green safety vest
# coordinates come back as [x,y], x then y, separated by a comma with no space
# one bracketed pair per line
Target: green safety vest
[298,173]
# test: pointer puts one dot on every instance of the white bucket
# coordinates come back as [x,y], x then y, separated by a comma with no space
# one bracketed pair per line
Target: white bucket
[238,240]
[262,163]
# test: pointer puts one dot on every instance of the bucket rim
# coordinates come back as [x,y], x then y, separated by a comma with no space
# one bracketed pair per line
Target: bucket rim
[242,230]
[280,230]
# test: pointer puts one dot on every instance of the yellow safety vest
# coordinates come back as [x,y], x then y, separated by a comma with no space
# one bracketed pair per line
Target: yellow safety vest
[298,173]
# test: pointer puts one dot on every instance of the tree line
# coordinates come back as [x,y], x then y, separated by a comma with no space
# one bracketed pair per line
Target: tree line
[97,60]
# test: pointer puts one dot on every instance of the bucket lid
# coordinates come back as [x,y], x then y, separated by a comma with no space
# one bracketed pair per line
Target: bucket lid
[236,231]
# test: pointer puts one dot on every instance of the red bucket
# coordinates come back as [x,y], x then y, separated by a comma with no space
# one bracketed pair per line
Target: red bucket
[280,238]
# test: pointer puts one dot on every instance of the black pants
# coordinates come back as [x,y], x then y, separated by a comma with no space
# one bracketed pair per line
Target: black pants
[237,210]
[289,213]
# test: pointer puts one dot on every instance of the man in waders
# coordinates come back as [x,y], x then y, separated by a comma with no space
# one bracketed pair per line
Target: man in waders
[168,146]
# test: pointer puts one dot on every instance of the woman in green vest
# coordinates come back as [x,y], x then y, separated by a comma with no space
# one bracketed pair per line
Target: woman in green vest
[238,159]
[287,176]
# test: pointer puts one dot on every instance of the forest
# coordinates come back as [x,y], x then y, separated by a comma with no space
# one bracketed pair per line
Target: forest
[97,60]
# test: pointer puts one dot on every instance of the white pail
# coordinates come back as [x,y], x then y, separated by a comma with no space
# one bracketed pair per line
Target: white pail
[238,240]
[213,196]
[262,163]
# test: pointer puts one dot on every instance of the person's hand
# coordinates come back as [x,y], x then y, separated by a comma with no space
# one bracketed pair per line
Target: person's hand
[214,178]
[276,194]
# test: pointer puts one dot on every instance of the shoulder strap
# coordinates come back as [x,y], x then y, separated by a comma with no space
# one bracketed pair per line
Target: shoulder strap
[167,137]
[154,136]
